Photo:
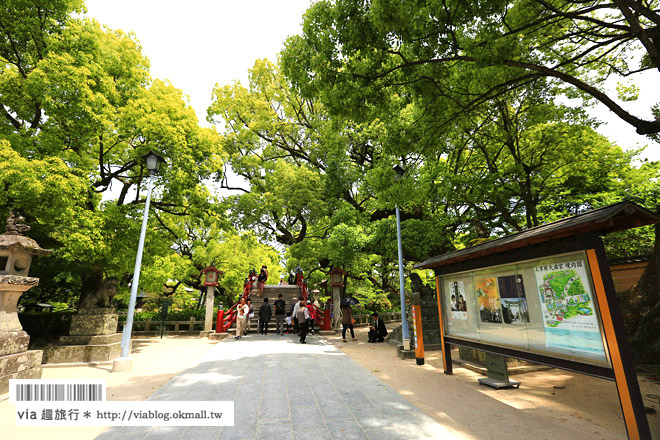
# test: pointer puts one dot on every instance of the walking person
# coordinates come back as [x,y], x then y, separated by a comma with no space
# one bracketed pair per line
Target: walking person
[288,323]
[280,314]
[303,317]
[312,316]
[294,316]
[265,313]
[242,311]
[346,322]
[261,280]
[250,315]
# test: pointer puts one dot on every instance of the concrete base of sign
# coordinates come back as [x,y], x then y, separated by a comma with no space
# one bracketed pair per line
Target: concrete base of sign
[205,333]
[405,354]
[218,336]
[327,332]
[499,384]
[122,364]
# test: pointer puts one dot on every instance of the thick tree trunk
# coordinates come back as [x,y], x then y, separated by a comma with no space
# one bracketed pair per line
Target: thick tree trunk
[640,307]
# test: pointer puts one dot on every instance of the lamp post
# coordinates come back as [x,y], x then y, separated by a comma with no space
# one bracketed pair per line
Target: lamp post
[124,363]
[405,333]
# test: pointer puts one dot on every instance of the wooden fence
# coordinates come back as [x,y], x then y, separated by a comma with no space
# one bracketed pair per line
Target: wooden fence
[364,319]
[173,326]
[192,325]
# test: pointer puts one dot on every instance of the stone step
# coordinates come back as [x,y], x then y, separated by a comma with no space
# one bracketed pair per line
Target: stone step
[289,292]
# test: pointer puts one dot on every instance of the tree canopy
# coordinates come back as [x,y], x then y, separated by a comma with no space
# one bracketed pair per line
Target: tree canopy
[454,56]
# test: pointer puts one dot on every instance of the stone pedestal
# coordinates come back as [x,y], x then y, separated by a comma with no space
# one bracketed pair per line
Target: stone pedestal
[93,337]
[16,252]
[218,336]
[16,362]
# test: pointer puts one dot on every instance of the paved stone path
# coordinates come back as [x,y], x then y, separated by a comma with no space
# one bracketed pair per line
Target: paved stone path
[286,390]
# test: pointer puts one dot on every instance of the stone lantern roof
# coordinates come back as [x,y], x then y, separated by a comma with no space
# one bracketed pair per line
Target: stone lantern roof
[13,241]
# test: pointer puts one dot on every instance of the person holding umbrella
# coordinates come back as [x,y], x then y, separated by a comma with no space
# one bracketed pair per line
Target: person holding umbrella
[347,320]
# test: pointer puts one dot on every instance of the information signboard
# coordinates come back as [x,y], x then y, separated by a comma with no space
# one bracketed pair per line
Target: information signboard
[543,305]
[545,295]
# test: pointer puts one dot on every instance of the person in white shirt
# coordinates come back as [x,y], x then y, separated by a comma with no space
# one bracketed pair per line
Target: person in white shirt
[294,315]
[242,311]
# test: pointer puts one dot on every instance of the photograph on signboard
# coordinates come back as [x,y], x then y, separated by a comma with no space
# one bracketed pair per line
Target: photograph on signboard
[567,306]
[457,304]
[513,299]
[488,299]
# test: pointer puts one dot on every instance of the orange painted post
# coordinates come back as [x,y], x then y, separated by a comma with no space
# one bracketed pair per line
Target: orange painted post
[218,321]
[326,319]
[630,397]
[417,328]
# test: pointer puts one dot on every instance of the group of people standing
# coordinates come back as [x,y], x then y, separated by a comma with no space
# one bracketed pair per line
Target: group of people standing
[302,316]
[258,281]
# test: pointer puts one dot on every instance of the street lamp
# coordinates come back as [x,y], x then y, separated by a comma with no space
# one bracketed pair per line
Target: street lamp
[124,363]
[402,287]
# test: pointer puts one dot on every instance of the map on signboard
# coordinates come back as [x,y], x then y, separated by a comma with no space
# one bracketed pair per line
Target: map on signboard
[567,305]
[457,300]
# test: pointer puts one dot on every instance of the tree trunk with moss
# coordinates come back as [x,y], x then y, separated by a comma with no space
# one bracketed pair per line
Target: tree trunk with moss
[640,306]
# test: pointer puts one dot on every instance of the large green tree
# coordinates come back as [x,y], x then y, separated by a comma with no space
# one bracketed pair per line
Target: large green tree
[455,55]
[77,105]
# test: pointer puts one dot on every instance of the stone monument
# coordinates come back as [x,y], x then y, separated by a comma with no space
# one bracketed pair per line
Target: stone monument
[93,334]
[16,252]
[430,320]
[429,307]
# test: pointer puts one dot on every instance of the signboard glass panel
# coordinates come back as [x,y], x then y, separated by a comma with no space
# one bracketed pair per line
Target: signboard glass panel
[545,305]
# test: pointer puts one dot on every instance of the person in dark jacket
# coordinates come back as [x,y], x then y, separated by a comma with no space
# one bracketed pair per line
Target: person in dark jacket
[265,313]
[377,330]
[280,314]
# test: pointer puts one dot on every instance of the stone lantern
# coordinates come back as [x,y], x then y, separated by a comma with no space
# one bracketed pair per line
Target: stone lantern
[337,282]
[211,277]
[16,252]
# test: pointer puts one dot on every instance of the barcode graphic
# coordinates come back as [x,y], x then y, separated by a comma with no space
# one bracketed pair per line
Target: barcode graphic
[41,392]
[58,392]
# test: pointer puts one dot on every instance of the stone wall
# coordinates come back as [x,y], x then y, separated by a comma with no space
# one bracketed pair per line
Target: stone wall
[45,327]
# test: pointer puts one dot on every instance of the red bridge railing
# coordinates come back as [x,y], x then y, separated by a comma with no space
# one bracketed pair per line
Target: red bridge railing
[323,318]
[225,320]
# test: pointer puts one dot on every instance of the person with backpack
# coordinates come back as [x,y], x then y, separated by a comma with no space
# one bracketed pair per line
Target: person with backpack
[303,319]
[261,280]
[294,313]
[280,314]
[265,313]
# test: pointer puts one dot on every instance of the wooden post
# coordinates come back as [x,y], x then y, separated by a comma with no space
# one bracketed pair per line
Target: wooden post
[417,328]
[446,348]
[218,321]
[326,319]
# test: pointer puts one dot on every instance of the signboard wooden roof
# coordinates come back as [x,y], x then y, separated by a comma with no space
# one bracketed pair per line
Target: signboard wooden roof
[617,217]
